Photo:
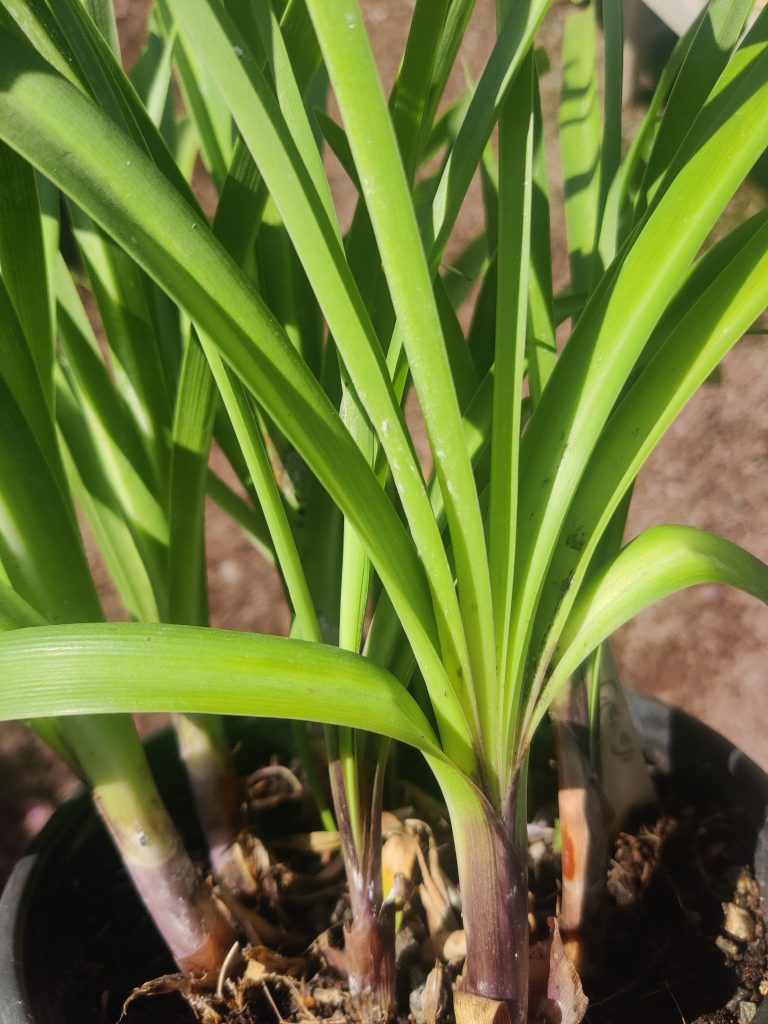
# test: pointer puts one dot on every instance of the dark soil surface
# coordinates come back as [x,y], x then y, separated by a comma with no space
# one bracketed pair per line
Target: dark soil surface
[668,954]
[685,937]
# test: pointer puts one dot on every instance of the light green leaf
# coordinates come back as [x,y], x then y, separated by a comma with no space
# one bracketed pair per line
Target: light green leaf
[516,135]
[580,134]
[721,306]
[618,321]
[660,562]
[606,242]
[40,549]
[15,612]
[114,667]
[514,41]
[40,114]
[260,120]
[414,83]
[372,140]
[711,45]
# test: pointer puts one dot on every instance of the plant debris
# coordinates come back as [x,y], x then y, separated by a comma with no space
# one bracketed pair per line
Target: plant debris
[686,938]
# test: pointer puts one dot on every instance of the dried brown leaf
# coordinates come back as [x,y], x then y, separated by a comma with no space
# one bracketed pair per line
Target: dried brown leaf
[471,1009]
[565,1002]
[435,998]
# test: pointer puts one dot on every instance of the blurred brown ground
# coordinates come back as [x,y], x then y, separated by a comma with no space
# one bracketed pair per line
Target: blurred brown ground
[705,651]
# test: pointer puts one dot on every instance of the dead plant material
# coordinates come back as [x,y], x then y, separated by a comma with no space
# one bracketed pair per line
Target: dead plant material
[321,843]
[398,858]
[436,997]
[683,911]
[472,1009]
[272,786]
[450,947]
[437,892]
[636,860]
[565,1002]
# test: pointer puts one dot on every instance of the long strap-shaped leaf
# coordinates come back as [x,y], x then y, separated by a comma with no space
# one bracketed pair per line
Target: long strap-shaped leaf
[263,127]
[516,128]
[23,260]
[41,552]
[660,562]
[91,488]
[580,140]
[411,91]
[40,115]
[114,667]
[515,39]
[711,46]
[357,87]
[693,346]
[18,372]
[194,412]
[608,340]
[116,440]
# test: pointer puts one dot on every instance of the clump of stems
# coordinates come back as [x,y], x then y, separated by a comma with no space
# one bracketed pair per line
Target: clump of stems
[449,612]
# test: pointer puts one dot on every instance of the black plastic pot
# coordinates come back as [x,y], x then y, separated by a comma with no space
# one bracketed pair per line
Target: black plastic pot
[61,946]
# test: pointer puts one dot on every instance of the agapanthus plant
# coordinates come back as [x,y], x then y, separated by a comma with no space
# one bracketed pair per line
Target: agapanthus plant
[491,581]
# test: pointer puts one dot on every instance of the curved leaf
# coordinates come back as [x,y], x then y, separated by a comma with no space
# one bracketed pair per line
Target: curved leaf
[719,311]
[131,666]
[41,115]
[730,135]
[23,260]
[660,562]
[385,188]
[265,131]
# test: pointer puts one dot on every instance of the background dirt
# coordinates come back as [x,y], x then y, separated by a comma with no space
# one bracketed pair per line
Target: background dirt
[704,651]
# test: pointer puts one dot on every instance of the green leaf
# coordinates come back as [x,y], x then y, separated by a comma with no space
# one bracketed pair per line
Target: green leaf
[606,242]
[541,342]
[103,14]
[89,481]
[152,75]
[337,141]
[514,41]
[415,80]
[35,20]
[19,374]
[264,130]
[616,325]
[710,49]
[116,667]
[454,28]
[209,114]
[660,562]
[23,262]
[124,298]
[15,613]
[192,431]
[251,443]
[580,135]
[109,439]
[371,137]
[40,549]
[516,135]
[720,308]
[249,519]
[40,114]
